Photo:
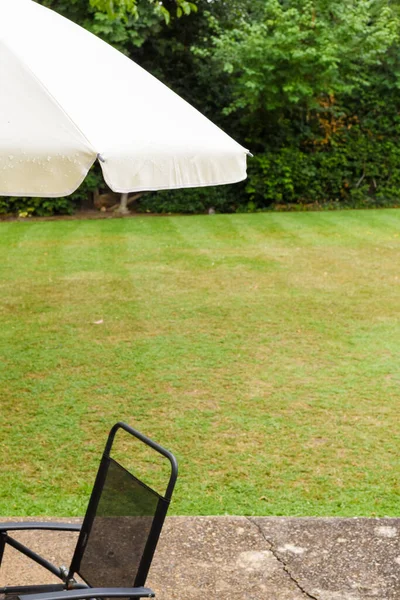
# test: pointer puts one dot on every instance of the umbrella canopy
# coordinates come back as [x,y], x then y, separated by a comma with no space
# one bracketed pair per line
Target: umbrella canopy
[67,98]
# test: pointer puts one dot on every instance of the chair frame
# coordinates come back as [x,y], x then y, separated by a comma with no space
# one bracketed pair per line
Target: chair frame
[70,589]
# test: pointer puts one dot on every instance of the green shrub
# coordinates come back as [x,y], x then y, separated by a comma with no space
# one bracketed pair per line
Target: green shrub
[40,207]
[356,168]
[225,198]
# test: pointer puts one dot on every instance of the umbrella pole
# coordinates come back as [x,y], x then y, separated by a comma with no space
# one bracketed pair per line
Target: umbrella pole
[123,206]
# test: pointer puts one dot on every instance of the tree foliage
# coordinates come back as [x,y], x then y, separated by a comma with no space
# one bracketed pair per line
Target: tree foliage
[123,23]
[314,87]
[301,52]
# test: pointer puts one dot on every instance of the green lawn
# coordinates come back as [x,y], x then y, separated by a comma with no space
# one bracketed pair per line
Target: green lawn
[264,350]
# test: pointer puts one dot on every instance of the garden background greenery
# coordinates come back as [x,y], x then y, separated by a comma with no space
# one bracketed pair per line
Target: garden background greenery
[311,87]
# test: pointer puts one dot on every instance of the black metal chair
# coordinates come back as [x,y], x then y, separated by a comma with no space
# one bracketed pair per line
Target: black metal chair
[117,538]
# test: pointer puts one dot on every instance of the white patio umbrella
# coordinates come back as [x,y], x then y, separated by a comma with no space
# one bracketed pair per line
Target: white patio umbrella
[67,98]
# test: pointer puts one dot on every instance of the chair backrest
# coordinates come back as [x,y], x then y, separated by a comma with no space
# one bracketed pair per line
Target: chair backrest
[123,522]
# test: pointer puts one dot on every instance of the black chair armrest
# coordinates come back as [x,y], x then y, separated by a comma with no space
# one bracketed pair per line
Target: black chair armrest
[49,525]
[83,594]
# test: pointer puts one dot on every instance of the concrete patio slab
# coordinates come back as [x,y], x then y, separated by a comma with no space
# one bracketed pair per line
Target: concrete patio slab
[338,559]
[263,558]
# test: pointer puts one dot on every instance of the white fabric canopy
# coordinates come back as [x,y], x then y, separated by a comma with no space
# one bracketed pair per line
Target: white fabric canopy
[67,98]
